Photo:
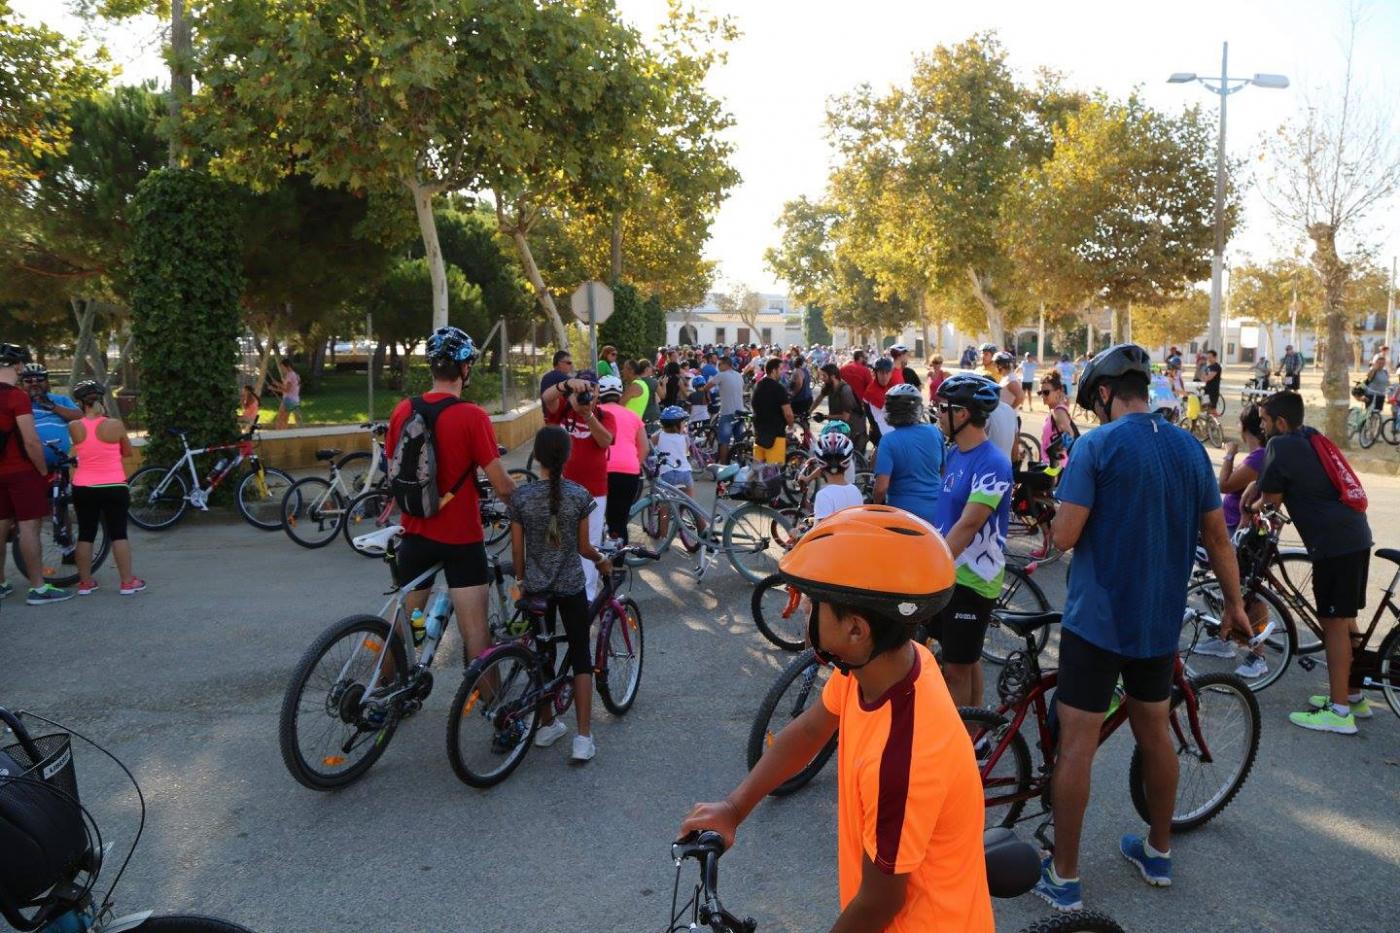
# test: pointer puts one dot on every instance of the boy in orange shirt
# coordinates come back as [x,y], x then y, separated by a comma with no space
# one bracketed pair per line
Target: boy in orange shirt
[910,805]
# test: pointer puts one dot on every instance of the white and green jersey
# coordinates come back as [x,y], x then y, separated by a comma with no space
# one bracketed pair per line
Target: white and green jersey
[981,475]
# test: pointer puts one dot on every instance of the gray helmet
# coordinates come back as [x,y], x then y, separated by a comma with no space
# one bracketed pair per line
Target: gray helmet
[87,390]
[904,405]
[11,354]
[1118,360]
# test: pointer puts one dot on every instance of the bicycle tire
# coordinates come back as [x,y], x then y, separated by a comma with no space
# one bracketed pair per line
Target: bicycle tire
[804,667]
[366,513]
[1076,921]
[188,923]
[1027,448]
[644,526]
[1390,431]
[52,555]
[156,504]
[465,705]
[761,552]
[618,698]
[263,511]
[312,512]
[865,482]
[1389,667]
[352,468]
[1295,567]
[1368,430]
[771,584]
[688,522]
[305,773]
[1203,686]
[989,727]
[1019,593]
[1216,433]
[1279,648]
[495,517]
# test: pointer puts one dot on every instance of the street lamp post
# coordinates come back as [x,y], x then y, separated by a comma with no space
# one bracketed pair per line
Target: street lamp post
[1222,86]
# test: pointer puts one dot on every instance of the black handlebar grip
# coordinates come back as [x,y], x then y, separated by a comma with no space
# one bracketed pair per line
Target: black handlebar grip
[21,733]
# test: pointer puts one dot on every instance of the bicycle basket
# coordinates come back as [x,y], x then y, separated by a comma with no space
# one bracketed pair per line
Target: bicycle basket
[762,483]
[43,839]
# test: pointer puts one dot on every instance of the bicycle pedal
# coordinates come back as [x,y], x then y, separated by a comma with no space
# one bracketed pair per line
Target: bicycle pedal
[1307,663]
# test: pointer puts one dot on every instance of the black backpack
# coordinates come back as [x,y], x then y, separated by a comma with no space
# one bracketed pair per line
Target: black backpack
[413,468]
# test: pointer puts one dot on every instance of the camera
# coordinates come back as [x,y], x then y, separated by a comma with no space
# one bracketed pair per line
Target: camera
[584,398]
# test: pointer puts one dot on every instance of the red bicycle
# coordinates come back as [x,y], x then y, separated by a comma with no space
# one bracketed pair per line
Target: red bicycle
[1214,720]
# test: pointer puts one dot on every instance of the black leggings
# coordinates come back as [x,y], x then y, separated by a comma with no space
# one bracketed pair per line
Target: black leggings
[622,490]
[107,504]
[574,609]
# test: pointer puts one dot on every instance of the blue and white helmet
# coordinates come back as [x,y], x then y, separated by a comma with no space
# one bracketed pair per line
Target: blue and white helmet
[698,382]
[673,413]
[451,343]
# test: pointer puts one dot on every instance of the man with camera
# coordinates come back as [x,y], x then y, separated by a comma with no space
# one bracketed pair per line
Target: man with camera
[573,405]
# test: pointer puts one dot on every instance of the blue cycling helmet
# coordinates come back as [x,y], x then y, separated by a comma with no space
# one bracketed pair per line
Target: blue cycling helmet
[673,413]
[976,393]
[698,382]
[836,426]
[451,343]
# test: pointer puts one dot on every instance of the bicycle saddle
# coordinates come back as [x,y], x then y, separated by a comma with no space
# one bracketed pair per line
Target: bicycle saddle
[1389,553]
[375,543]
[1013,865]
[533,605]
[328,453]
[1023,623]
[724,474]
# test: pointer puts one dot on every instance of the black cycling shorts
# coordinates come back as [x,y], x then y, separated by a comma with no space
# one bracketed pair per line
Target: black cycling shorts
[1339,584]
[101,505]
[962,625]
[1089,673]
[462,564]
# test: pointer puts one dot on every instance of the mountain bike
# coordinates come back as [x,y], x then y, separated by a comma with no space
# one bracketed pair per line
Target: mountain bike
[160,495]
[1013,868]
[58,538]
[493,718]
[1029,538]
[364,675]
[59,871]
[750,534]
[314,509]
[1365,422]
[1281,580]
[1214,720]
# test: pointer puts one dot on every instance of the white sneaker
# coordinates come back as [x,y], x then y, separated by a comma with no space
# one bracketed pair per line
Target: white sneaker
[584,749]
[1253,666]
[1215,648]
[546,736]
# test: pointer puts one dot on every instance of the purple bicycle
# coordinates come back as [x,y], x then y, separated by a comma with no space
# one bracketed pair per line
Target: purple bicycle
[493,718]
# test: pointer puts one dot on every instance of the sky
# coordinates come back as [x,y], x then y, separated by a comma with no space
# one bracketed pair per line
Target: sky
[796,54]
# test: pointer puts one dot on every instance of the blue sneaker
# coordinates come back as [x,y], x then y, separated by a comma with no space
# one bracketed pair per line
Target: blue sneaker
[6,589]
[1063,895]
[1155,870]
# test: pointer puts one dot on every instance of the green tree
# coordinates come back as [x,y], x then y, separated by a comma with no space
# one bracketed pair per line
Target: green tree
[1176,321]
[629,328]
[402,319]
[814,329]
[1276,294]
[805,255]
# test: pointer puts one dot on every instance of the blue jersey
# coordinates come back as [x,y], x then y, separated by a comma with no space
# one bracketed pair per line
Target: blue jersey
[1146,485]
[981,476]
[912,457]
[51,427]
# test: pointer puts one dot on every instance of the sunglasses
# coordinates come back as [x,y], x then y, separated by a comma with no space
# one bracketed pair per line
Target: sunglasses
[1044,392]
[948,408]
[35,379]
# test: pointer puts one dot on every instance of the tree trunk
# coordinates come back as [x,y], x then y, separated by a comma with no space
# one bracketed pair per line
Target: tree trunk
[616,247]
[996,319]
[318,361]
[546,300]
[437,268]
[181,82]
[1333,272]
[395,376]
[377,360]
[264,361]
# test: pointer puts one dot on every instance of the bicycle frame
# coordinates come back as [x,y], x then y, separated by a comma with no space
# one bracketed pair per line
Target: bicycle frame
[198,491]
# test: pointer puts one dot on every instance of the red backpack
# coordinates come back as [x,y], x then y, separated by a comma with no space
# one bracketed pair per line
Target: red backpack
[1339,471]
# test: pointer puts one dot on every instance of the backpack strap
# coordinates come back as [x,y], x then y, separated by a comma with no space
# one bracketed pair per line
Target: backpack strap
[430,412]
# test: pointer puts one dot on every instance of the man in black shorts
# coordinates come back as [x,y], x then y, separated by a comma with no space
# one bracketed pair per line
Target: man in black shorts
[465,441]
[1134,479]
[1210,382]
[1338,539]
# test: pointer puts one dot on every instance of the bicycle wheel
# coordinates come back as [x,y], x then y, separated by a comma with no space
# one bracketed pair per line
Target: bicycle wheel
[1028,540]
[1215,433]
[1203,653]
[1076,921]
[689,522]
[354,467]
[779,614]
[260,495]
[749,541]
[865,482]
[793,465]
[1390,670]
[492,720]
[58,549]
[327,741]
[797,687]
[1229,717]
[619,669]
[651,522]
[1369,429]
[1294,569]
[1390,431]
[368,512]
[1027,448]
[173,923]
[157,501]
[312,512]
[1019,593]
[1006,777]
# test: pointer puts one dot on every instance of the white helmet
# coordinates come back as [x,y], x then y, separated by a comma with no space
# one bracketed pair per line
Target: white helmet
[835,450]
[609,385]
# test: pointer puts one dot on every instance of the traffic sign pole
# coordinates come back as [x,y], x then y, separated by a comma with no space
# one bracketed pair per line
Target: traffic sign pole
[592,327]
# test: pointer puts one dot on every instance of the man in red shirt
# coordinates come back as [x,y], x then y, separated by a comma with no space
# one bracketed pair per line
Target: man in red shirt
[464,441]
[24,487]
[592,430]
[857,375]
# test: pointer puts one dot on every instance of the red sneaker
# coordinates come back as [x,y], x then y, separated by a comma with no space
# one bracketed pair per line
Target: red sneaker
[134,585]
[87,588]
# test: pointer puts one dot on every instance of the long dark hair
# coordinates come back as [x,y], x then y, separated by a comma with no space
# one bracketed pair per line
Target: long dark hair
[1251,423]
[671,395]
[552,444]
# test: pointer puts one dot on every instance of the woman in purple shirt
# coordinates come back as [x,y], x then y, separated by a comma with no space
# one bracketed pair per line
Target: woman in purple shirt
[1234,479]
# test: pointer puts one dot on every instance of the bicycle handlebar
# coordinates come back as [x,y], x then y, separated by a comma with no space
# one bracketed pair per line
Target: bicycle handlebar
[21,733]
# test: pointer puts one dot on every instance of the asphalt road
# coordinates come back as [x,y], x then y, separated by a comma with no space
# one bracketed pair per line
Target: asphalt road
[184,682]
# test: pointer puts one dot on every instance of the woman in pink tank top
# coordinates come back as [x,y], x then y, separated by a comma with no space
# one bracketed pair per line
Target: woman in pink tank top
[625,456]
[100,493]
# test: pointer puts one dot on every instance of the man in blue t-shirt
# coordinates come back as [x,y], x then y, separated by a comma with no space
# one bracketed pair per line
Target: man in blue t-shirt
[972,515]
[52,412]
[1134,499]
[711,368]
[909,463]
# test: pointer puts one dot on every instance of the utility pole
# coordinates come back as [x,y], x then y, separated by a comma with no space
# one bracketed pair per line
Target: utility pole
[181,83]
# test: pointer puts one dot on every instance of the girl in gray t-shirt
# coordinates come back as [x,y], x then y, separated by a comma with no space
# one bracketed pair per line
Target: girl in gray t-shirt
[548,536]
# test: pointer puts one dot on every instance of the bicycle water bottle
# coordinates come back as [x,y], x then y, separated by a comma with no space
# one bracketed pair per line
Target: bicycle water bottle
[437,613]
[419,623]
[218,468]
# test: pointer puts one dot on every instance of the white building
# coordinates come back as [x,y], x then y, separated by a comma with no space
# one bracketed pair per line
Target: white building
[780,322]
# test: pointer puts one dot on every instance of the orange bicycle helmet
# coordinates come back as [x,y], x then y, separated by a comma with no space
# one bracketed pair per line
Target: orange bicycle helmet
[874,557]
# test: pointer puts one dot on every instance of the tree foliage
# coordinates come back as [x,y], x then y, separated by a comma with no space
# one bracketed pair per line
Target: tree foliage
[1176,321]
[629,328]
